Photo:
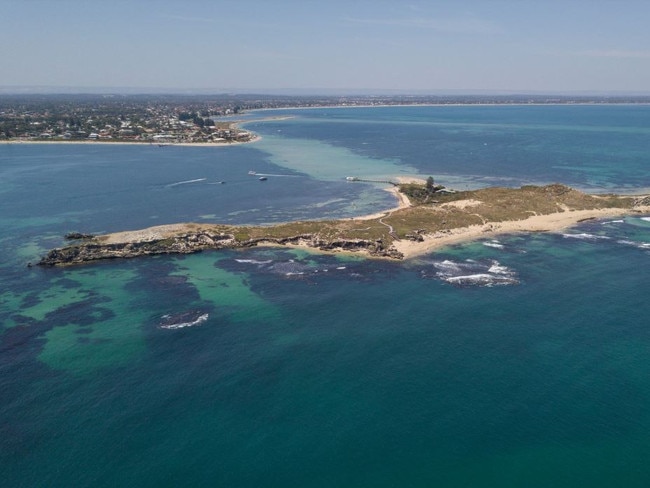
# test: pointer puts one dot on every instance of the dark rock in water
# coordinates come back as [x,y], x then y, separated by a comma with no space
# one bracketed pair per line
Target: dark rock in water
[78,235]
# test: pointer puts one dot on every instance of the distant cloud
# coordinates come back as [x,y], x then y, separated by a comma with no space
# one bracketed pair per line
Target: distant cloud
[453,26]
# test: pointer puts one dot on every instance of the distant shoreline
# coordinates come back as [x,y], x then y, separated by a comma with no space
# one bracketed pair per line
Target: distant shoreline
[453,104]
[130,143]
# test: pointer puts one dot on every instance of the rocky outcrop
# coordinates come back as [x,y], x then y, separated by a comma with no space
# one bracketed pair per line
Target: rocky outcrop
[78,235]
[642,201]
[94,249]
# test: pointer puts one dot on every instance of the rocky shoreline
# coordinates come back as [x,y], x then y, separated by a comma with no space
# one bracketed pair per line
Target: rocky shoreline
[91,249]
[409,230]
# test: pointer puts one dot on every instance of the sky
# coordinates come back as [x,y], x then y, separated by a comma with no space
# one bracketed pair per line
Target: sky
[351,46]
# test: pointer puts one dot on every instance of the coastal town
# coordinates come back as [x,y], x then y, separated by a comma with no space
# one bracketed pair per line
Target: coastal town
[117,119]
[170,119]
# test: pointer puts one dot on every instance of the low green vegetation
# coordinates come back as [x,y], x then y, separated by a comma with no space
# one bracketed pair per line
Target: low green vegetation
[434,210]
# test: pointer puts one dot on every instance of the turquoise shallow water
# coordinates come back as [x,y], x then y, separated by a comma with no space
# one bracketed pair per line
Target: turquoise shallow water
[521,361]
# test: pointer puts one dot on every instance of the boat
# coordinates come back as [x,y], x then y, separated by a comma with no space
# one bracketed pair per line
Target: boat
[252,173]
[263,178]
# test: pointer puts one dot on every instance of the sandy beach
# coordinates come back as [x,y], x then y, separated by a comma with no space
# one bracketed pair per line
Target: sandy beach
[553,222]
[538,223]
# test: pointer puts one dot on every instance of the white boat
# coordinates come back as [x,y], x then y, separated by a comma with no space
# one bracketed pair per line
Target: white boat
[252,173]
[263,178]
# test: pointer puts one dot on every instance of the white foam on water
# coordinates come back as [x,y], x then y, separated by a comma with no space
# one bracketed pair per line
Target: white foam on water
[475,273]
[614,222]
[181,325]
[647,219]
[497,268]
[584,236]
[494,244]
[482,279]
[253,261]
[447,265]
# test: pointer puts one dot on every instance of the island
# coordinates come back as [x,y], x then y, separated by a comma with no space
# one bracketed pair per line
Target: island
[428,217]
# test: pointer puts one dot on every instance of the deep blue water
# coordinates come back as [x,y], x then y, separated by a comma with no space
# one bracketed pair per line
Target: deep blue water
[521,361]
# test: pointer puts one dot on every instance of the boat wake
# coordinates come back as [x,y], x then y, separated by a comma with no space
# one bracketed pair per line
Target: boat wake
[255,173]
[187,182]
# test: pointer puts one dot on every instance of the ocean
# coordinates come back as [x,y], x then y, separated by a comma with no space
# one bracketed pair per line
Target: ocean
[516,361]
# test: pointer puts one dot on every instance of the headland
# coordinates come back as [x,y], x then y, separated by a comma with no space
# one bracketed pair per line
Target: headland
[428,218]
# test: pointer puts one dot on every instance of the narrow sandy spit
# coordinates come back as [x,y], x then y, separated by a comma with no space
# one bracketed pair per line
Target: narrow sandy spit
[402,202]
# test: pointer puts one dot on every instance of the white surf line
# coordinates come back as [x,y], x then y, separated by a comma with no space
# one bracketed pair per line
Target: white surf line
[185,182]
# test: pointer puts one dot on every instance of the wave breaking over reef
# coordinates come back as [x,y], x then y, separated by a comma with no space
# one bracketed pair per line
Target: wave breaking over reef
[183,319]
[471,273]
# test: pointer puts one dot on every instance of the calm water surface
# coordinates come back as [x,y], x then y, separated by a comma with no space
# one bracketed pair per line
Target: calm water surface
[521,361]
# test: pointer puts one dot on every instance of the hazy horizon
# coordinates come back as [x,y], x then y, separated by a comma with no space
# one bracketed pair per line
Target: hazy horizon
[301,92]
[310,47]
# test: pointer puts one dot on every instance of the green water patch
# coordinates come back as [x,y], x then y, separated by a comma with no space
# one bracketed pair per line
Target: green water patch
[326,162]
[107,329]
[31,250]
[229,293]
[37,306]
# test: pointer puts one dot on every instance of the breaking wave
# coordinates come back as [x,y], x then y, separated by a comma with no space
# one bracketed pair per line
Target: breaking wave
[182,320]
[613,222]
[494,243]
[638,245]
[584,236]
[472,273]
[293,268]
[254,261]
